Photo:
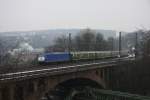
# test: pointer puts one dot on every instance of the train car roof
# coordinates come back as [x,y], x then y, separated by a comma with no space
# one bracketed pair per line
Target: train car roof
[56,53]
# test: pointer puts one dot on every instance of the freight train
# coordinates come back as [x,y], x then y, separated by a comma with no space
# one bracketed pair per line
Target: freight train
[79,56]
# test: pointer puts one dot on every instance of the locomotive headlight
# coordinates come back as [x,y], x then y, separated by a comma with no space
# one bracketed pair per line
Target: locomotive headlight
[41,58]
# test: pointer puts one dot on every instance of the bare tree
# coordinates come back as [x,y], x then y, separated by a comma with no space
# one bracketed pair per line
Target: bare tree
[87,39]
[100,42]
[77,43]
[61,43]
[110,44]
[146,43]
[4,56]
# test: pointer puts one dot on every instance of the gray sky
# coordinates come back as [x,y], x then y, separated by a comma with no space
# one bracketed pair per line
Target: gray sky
[124,15]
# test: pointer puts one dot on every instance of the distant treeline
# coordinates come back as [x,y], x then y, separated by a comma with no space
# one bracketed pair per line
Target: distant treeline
[85,40]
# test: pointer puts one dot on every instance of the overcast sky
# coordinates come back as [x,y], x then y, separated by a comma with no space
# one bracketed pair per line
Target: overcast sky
[121,15]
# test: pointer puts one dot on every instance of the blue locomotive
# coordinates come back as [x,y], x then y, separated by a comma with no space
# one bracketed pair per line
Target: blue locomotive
[54,57]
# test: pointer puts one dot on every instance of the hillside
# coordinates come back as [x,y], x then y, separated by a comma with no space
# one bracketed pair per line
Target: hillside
[43,38]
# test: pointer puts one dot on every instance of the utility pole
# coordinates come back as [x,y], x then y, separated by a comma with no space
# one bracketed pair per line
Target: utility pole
[65,45]
[69,47]
[120,44]
[112,45]
[136,44]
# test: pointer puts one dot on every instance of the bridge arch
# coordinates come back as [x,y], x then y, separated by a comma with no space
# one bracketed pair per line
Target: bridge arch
[64,87]
[90,78]
[75,82]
